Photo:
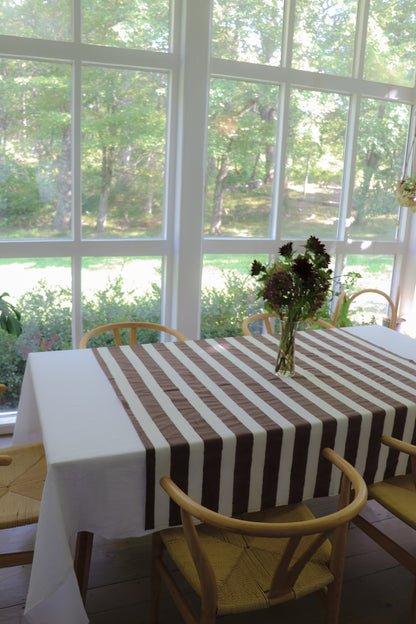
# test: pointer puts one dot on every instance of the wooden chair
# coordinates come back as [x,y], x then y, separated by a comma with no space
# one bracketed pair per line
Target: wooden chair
[265,318]
[133,326]
[260,560]
[22,475]
[398,496]
[348,300]
[342,297]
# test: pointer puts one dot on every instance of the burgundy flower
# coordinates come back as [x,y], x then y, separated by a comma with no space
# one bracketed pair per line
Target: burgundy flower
[296,285]
[256,267]
[314,245]
[286,250]
[324,259]
[278,288]
[303,268]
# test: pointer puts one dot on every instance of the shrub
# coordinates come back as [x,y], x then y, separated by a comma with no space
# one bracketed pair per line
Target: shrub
[46,320]
[223,309]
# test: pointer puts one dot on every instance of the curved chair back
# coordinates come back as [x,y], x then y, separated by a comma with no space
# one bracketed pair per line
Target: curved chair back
[290,561]
[393,307]
[342,297]
[266,316]
[263,316]
[132,326]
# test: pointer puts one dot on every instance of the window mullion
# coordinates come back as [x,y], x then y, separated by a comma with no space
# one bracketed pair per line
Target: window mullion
[190,176]
[277,214]
[360,38]
[350,156]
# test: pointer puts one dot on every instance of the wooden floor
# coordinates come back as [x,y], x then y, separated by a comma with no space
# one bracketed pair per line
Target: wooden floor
[376,589]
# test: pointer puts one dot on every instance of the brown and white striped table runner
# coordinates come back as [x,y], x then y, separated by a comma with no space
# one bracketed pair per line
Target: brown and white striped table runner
[213,415]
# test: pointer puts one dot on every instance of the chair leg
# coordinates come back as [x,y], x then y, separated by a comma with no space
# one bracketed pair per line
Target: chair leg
[333,603]
[82,561]
[155,579]
[413,607]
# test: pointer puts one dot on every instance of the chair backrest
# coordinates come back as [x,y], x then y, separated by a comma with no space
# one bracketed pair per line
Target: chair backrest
[392,305]
[352,498]
[260,316]
[342,298]
[265,318]
[132,326]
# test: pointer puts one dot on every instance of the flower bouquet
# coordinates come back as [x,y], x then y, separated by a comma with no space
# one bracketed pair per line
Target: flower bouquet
[294,286]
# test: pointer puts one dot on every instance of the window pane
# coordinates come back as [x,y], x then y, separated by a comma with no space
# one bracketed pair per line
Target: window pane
[240,161]
[228,293]
[123,153]
[391,42]
[35,150]
[36,19]
[324,34]
[40,288]
[121,289]
[376,272]
[244,30]
[314,164]
[137,24]
[381,142]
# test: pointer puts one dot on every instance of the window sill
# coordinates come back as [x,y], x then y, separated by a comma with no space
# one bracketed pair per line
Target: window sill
[7,422]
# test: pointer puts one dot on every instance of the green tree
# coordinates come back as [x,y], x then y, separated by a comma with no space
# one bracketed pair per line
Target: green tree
[124,126]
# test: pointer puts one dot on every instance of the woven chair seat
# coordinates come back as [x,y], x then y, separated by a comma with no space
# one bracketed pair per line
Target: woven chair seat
[244,566]
[21,485]
[398,495]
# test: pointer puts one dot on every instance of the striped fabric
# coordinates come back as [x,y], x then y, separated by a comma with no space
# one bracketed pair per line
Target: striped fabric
[213,415]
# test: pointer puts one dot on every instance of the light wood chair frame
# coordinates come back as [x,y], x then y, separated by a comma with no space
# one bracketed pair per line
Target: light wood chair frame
[8,560]
[12,559]
[266,316]
[402,555]
[352,498]
[343,298]
[18,558]
[133,326]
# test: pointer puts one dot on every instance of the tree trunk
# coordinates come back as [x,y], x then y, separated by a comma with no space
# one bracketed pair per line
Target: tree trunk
[151,163]
[369,170]
[306,178]
[106,177]
[269,164]
[255,169]
[62,219]
[218,208]
[267,114]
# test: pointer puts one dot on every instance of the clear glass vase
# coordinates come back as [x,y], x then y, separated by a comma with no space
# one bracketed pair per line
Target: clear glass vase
[285,363]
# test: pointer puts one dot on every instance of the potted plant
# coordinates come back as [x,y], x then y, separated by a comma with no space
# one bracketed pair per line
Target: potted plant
[406,192]
[9,317]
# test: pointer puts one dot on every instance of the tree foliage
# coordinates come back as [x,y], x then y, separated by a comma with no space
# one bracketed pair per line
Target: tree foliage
[124,118]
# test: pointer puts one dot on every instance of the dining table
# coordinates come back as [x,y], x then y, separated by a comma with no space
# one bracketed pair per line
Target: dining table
[213,415]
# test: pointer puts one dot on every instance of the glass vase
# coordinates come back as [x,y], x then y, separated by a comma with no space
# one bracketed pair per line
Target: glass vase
[285,363]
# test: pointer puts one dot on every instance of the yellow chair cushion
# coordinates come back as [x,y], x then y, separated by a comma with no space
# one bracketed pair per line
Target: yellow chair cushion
[398,495]
[21,485]
[244,566]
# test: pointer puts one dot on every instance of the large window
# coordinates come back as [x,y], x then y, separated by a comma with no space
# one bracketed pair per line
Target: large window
[150,149]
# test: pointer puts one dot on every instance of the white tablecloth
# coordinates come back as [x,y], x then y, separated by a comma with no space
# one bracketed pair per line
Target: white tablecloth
[68,403]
